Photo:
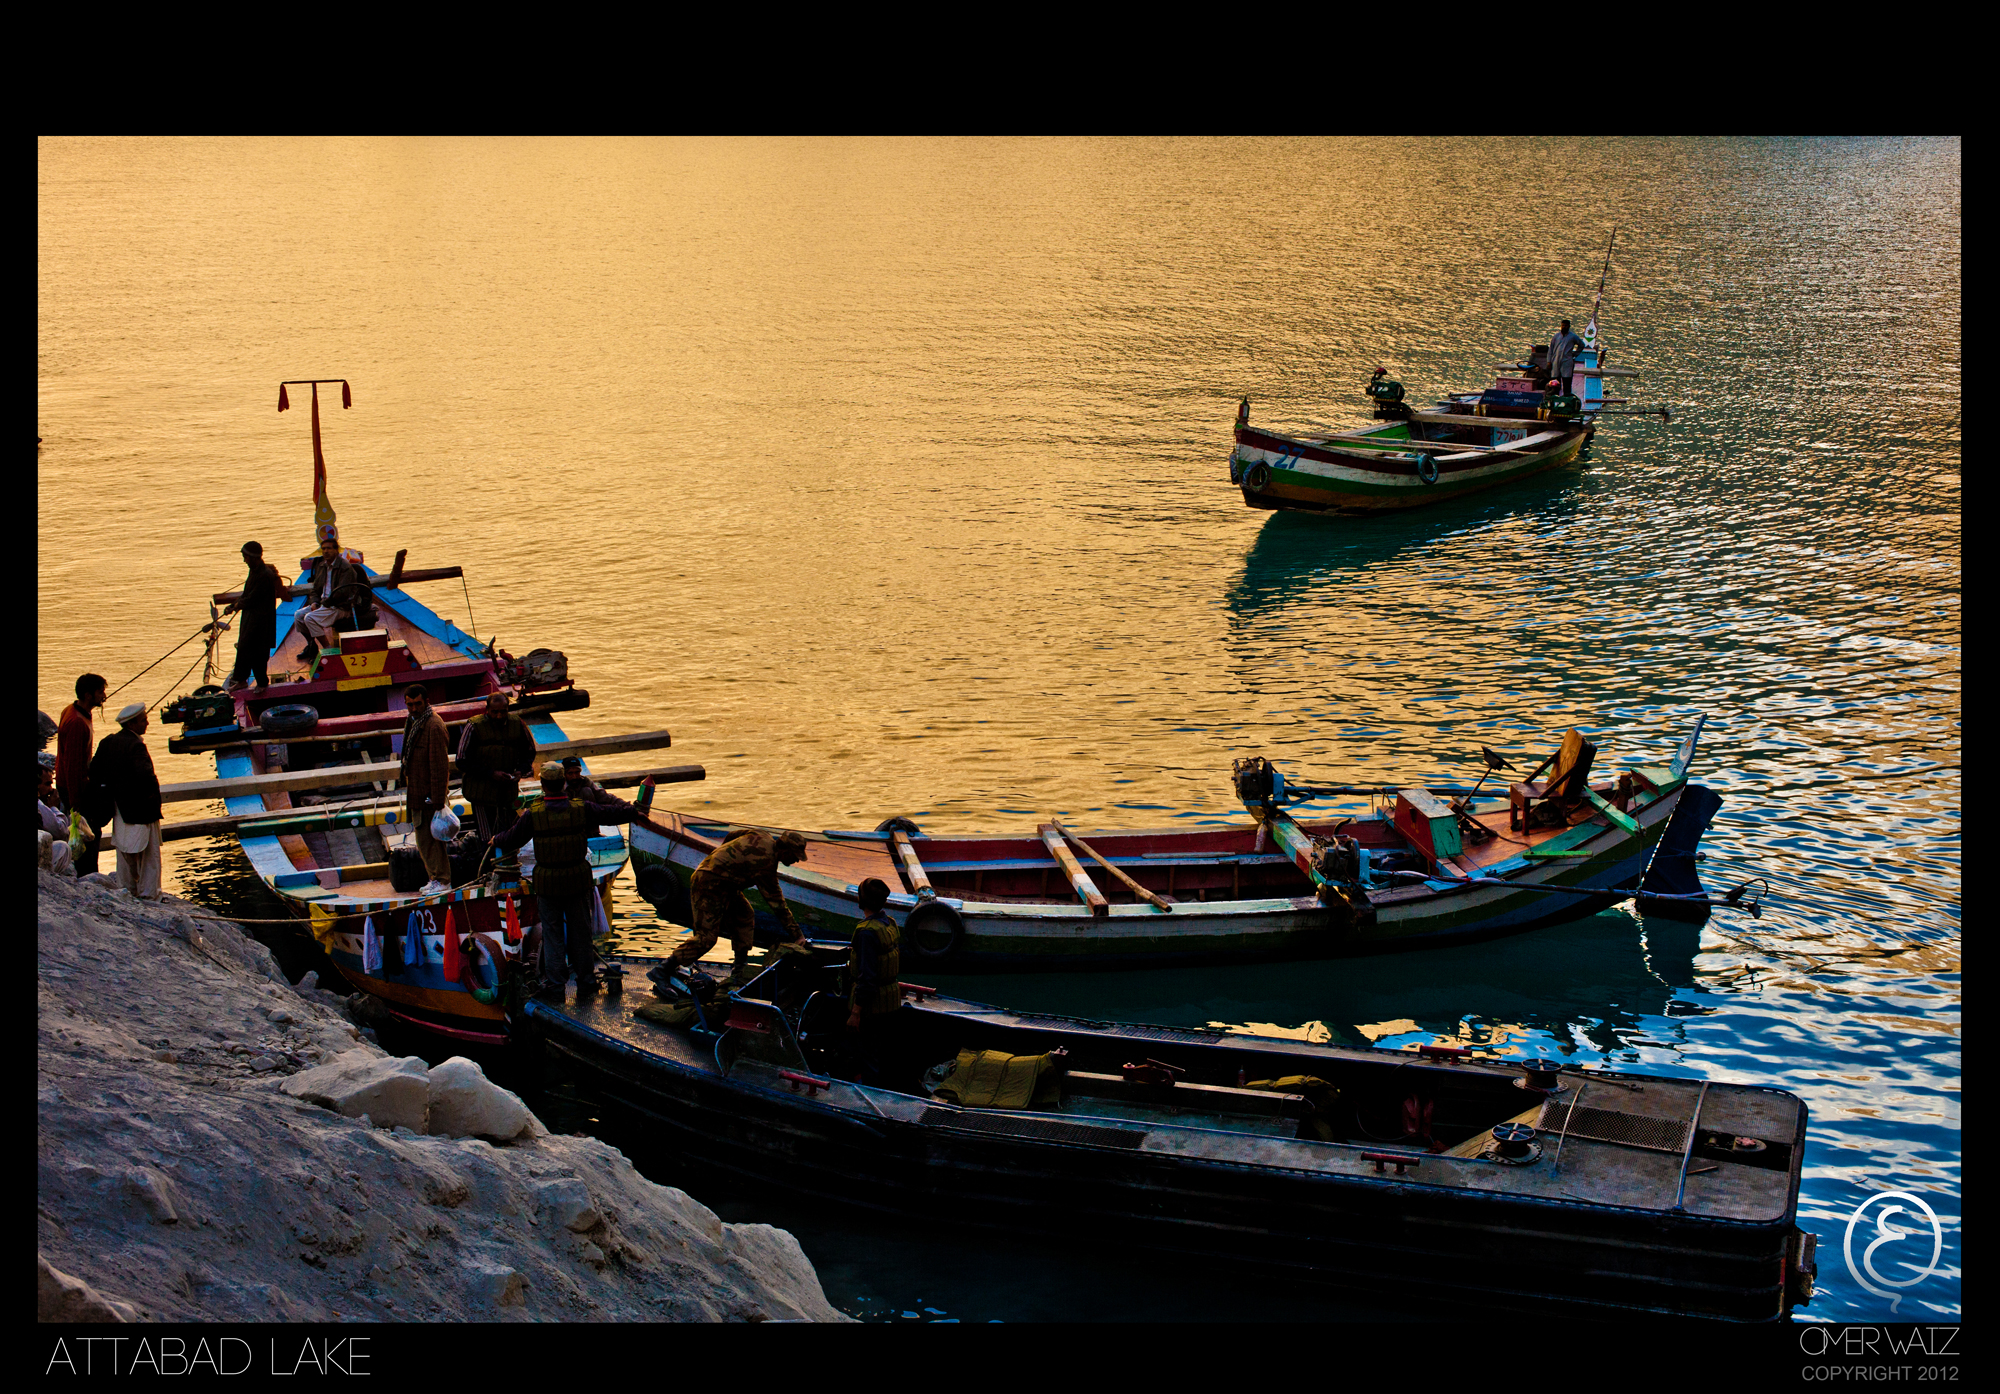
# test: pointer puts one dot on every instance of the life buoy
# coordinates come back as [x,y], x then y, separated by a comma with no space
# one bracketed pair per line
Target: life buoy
[294,719]
[1257,476]
[934,931]
[1427,468]
[481,952]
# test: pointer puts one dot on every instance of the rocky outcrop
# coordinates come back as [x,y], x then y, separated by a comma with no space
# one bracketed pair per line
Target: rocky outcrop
[213,1145]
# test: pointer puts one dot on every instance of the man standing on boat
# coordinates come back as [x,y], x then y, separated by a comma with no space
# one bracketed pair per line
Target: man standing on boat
[561,828]
[74,738]
[257,635]
[1563,350]
[124,767]
[494,755]
[333,592]
[874,968]
[720,907]
[427,775]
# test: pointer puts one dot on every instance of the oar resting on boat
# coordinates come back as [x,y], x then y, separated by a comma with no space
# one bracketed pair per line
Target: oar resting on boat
[1738,898]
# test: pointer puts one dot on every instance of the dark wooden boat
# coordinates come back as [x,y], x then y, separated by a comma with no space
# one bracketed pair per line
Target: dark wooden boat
[1489,1180]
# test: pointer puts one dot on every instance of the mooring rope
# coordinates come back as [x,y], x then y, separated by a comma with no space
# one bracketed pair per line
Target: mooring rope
[157,662]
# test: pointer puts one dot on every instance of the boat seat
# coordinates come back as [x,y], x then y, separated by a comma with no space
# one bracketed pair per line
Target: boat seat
[1550,800]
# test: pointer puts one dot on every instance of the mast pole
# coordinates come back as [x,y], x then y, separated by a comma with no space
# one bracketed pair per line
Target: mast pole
[1590,330]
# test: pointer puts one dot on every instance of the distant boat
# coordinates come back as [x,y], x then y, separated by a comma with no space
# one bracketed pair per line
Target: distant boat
[1421,871]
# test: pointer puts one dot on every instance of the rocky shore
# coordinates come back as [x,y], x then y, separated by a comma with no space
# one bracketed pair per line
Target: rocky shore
[216,1144]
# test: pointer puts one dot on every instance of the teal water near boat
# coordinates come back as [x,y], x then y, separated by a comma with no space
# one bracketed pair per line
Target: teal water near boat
[914,504]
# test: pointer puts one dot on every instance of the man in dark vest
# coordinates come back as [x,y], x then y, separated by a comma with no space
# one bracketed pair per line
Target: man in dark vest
[874,966]
[257,634]
[715,893]
[495,754]
[561,828]
[123,768]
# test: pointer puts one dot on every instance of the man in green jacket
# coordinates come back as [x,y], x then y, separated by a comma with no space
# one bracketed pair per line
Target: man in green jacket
[561,828]
[495,754]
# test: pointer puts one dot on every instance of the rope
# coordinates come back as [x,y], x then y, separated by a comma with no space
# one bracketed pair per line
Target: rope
[468,607]
[177,682]
[156,663]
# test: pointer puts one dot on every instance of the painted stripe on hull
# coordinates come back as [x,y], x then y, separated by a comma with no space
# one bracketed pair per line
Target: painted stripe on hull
[1321,487]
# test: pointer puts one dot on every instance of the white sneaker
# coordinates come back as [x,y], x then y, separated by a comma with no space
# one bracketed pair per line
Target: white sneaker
[434,888]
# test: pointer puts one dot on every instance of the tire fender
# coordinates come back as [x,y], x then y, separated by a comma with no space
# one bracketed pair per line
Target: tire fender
[934,932]
[1258,476]
[1427,468]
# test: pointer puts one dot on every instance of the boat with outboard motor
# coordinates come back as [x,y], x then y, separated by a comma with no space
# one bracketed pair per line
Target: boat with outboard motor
[1483,1178]
[1425,867]
[307,765]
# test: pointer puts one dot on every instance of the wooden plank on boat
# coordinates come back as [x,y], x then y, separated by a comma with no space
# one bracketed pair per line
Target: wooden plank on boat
[1086,889]
[1159,902]
[434,573]
[920,882]
[287,820]
[1612,811]
[332,776]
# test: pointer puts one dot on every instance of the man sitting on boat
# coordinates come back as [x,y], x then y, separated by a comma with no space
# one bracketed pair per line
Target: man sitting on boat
[749,859]
[561,828]
[335,591]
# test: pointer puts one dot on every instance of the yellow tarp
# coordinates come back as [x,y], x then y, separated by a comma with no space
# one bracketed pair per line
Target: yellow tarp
[993,1079]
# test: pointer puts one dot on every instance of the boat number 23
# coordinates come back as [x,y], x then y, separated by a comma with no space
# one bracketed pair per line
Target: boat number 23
[421,922]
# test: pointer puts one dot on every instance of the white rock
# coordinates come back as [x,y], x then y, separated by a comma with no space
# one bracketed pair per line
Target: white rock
[494,1284]
[394,1093]
[465,1103]
[59,1297]
[567,1202]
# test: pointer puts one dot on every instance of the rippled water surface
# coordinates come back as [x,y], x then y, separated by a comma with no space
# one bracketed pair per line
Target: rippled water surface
[891,477]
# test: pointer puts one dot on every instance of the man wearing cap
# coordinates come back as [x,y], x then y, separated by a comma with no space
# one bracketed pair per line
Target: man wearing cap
[749,859]
[494,755]
[576,783]
[561,827]
[427,775]
[257,635]
[333,592]
[73,741]
[124,767]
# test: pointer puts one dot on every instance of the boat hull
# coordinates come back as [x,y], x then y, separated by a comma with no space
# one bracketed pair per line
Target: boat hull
[1283,472]
[1012,936]
[1471,1230]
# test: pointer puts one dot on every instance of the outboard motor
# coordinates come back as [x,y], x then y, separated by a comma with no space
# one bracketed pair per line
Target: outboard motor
[1258,784]
[1387,396]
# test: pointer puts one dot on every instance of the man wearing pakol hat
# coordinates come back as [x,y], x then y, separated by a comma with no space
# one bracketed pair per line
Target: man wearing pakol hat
[334,592]
[561,828]
[123,767]
[257,634]
[427,776]
[749,859]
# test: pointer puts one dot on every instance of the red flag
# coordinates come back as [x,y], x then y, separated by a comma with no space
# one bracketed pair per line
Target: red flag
[513,921]
[454,962]
[284,402]
[319,460]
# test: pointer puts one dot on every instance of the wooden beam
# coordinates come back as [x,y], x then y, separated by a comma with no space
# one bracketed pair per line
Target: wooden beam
[920,883]
[1086,889]
[435,573]
[1158,902]
[275,820]
[291,781]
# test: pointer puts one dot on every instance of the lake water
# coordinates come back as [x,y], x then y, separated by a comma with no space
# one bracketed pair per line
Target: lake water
[890,476]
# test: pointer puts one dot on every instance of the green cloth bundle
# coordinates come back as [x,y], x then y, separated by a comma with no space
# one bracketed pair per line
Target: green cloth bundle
[675,1014]
[994,1079]
[1320,1094]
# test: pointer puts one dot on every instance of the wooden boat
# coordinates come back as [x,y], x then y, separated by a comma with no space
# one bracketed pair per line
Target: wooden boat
[307,767]
[1417,872]
[1502,1182]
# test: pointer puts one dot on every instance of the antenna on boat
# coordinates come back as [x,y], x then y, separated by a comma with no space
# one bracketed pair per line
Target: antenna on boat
[1590,330]
[322,508]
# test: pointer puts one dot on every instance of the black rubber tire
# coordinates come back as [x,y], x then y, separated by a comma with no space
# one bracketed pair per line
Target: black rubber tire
[293,719]
[1427,468]
[934,932]
[666,893]
[1257,476]
[470,975]
[208,690]
[899,824]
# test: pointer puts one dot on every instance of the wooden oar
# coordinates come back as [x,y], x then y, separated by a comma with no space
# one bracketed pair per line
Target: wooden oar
[1086,889]
[1159,902]
[393,581]
[329,776]
[920,882]
[245,823]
